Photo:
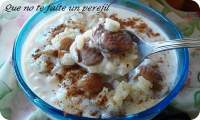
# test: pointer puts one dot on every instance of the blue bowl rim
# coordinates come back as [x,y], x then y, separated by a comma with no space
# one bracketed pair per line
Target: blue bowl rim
[52,110]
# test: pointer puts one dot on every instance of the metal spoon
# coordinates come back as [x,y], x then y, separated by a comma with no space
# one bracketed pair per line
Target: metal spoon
[146,48]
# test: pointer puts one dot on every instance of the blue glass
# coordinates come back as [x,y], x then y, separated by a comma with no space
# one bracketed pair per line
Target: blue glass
[164,23]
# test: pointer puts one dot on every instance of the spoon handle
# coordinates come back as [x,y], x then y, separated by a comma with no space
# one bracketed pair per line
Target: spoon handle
[175,43]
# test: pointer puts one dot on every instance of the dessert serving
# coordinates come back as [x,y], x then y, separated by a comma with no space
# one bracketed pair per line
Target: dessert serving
[77,64]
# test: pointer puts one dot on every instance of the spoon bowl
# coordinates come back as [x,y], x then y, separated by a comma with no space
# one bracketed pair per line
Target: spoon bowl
[146,48]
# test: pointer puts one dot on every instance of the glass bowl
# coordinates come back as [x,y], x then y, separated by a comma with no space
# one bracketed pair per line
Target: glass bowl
[164,23]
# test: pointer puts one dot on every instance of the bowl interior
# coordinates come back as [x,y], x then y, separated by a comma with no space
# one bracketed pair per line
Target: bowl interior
[164,23]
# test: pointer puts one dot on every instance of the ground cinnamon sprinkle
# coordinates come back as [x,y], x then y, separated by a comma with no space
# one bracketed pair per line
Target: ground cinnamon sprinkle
[60,28]
[73,90]
[101,100]
[75,75]
[129,22]
[36,56]
[153,33]
[141,26]
[94,113]
[132,22]
[53,53]
[49,65]
[59,76]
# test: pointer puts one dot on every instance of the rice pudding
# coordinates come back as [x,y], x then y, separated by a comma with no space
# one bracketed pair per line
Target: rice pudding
[74,64]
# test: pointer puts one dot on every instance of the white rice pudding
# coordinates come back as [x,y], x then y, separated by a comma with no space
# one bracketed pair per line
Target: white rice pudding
[86,86]
[116,66]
